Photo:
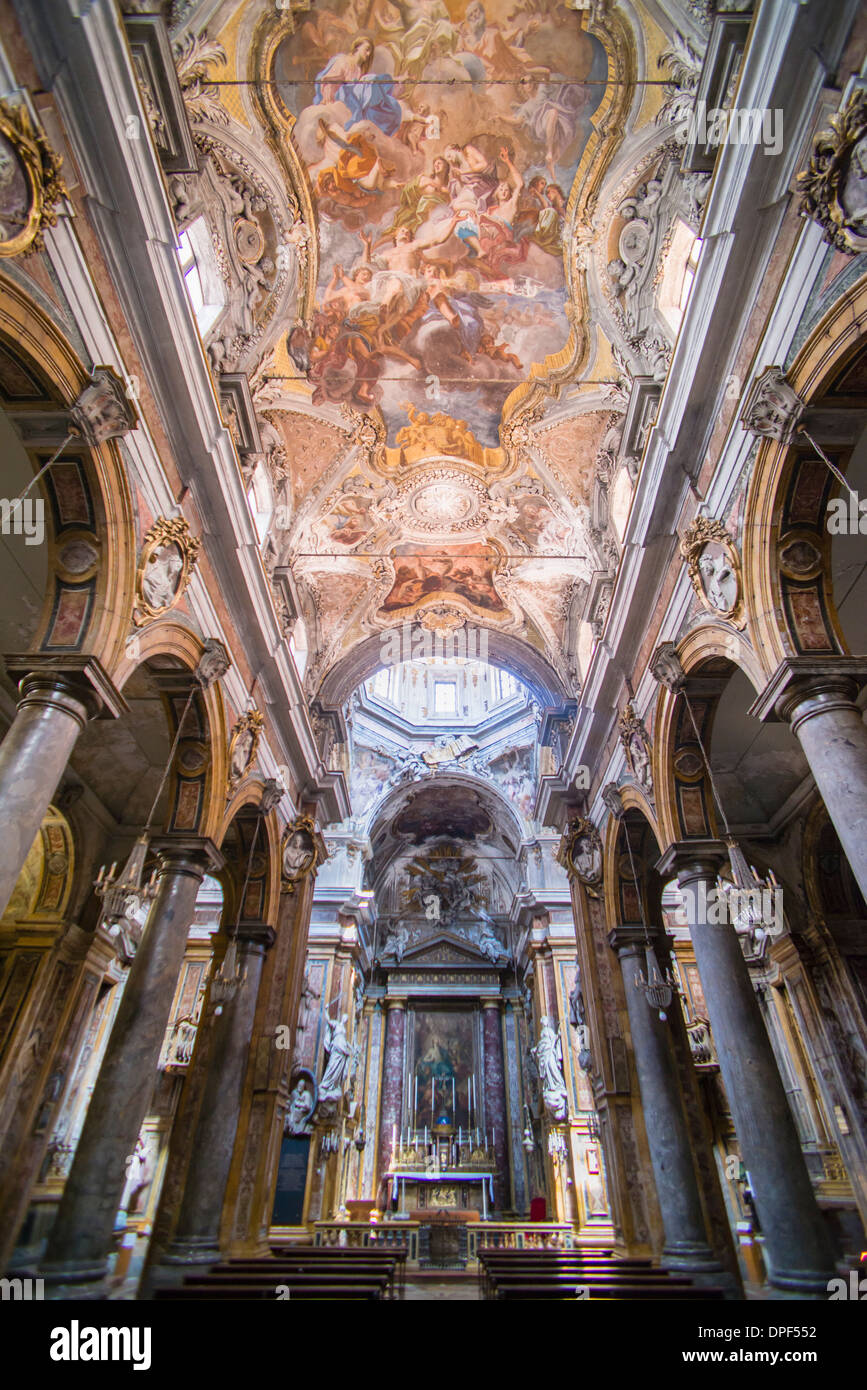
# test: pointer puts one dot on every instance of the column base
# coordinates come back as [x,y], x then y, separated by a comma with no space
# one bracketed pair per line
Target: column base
[799,1283]
[77,1281]
[201,1250]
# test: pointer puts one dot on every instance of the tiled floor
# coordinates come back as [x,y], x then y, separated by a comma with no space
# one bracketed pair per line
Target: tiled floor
[436,1289]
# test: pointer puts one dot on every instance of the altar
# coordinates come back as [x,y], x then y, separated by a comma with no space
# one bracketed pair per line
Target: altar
[444,1190]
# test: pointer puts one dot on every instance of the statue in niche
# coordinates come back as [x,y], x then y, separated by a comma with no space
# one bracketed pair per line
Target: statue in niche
[339,1053]
[640,761]
[299,1115]
[576,1000]
[548,1053]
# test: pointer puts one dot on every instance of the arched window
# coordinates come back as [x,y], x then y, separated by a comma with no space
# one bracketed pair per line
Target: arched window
[202,274]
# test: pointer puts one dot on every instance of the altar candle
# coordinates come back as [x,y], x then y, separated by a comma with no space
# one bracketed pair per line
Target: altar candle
[453,1100]
[495,1137]
[415,1105]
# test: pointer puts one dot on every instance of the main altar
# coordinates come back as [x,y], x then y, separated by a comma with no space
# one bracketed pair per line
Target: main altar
[441,1172]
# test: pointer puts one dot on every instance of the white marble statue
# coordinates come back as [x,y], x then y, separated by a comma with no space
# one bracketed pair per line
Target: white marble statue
[163,575]
[719,581]
[300,1112]
[336,1074]
[549,1058]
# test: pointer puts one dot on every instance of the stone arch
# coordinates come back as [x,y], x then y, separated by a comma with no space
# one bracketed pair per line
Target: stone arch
[46,880]
[787,547]
[619,898]
[89,511]
[249,795]
[685,807]
[504,649]
[184,649]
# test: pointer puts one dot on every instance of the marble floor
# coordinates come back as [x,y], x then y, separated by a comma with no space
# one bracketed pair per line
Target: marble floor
[437,1287]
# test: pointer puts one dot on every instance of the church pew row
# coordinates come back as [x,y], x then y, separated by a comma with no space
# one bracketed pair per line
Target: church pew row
[312,1260]
[396,1253]
[248,1292]
[538,1262]
[257,1279]
[568,1289]
[562,1275]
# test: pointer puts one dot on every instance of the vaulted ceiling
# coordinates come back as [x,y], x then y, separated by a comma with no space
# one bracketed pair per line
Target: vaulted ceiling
[442,229]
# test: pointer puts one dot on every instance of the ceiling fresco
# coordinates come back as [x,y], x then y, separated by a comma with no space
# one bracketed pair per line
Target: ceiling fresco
[441,226]
[441,141]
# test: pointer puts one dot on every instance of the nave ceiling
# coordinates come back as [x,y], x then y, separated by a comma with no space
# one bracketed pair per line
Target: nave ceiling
[444,234]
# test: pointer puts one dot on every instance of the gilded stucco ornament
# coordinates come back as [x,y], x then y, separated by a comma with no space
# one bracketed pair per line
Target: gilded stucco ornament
[168,557]
[243,744]
[299,854]
[30,183]
[714,569]
[580,854]
[834,185]
[636,745]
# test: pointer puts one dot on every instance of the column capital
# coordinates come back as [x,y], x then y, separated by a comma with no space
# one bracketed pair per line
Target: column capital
[492,1003]
[628,939]
[182,853]
[690,859]
[79,684]
[395,1004]
[803,686]
[255,934]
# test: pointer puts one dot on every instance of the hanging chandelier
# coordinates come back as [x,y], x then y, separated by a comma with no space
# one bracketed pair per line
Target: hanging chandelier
[658,990]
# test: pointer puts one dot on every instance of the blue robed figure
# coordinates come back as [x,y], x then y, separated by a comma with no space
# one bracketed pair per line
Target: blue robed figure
[368,95]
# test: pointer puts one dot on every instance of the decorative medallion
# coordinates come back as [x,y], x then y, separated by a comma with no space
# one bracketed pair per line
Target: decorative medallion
[30,183]
[580,853]
[299,855]
[800,558]
[243,745]
[636,744]
[168,557]
[714,569]
[834,184]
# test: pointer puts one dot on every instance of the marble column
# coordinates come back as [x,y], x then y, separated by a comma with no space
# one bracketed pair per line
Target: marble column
[495,1099]
[686,1246]
[798,1247]
[81,1238]
[391,1094]
[817,697]
[197,1236]
[54,705]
